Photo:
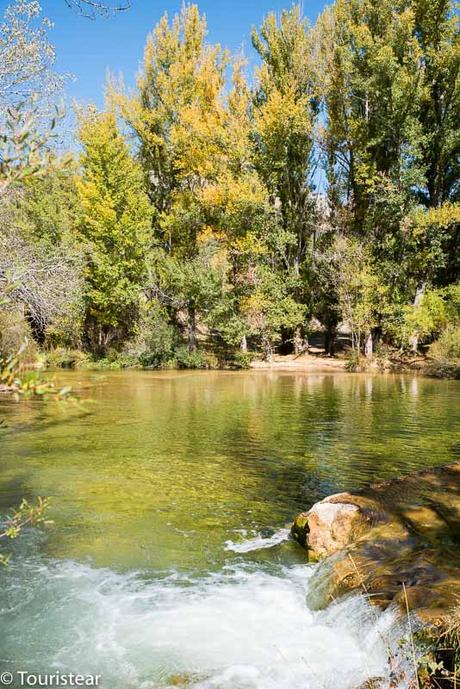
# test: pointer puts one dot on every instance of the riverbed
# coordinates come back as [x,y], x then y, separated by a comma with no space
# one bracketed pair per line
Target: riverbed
[169,563]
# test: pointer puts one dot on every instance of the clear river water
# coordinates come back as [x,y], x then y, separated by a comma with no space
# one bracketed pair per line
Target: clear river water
[168,562]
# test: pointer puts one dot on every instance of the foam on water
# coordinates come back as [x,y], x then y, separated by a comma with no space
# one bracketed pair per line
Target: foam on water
[258,542]
[244,628]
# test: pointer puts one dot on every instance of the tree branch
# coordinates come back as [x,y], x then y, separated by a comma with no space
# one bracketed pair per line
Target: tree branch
[92,8]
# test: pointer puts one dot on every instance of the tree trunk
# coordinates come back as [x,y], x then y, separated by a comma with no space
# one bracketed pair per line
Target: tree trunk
[244,344]
[268,350]
[329,340]
[191,328]
[300,344]
[413,340]
[369,346]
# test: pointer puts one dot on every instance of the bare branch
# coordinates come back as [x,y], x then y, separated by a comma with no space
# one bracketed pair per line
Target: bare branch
[27,58]
[92,8]
[43,282]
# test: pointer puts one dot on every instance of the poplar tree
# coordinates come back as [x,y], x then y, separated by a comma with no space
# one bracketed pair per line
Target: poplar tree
[177,116]
[437,30]
[373,84]
[115,231]
[373,88]
[286,106]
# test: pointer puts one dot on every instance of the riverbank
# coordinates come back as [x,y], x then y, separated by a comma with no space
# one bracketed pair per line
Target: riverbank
[315,360]
[304,362]
[397,363]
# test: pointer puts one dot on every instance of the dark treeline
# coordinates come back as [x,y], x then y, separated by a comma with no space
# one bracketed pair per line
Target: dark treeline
[204,221]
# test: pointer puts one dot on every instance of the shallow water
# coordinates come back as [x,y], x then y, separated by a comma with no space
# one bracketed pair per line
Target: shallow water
[171,493]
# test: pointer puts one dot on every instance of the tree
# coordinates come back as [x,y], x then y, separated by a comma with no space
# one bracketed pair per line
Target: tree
[437,30]
[391,98]
[237,204]
[286,107]
[285,110]
[359,294]
[115,229]
[27,58]
[39,284]
[269,308]
[177,116]
[42,282]
[372,91]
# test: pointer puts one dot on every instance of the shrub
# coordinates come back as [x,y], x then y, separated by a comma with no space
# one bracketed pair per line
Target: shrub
[445,354]
[183,358]
[114,361]
[154,344]
[242,360]
[354,361]
[447,346]
[65,358]
[15,336]
[211,360]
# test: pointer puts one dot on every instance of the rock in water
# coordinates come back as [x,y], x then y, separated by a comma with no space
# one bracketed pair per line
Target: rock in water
[331,525]
[403,531]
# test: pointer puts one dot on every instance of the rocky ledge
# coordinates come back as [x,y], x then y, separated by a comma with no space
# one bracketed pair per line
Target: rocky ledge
[399,541]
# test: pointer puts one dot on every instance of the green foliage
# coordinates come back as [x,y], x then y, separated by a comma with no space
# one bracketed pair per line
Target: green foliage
[25,515]
[14,332]
[156,340]
[65,358]
[203,235]
[48,208]
[372,90]
[241,360]
[114,228]
[285,110]
[22,382]
[184,358]
[437,310]
[447,346]
[445,353]
[113,361]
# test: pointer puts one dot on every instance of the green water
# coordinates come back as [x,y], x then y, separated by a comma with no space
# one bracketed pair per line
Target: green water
[166,487]
[158,470]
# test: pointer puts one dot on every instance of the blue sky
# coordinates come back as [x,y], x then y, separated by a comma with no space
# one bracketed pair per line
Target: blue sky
[88,48]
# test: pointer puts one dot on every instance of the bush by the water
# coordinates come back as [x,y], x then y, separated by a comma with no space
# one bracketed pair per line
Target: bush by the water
[445,354]
[65,358]
[15,336]
[447,347]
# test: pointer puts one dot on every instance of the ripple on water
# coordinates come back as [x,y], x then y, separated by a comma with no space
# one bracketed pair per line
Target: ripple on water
[158,471]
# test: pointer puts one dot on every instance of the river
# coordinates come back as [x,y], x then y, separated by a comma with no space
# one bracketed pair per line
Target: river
[169,563]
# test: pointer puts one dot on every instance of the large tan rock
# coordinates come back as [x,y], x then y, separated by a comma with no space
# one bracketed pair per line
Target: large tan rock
[330,525]
[397,541]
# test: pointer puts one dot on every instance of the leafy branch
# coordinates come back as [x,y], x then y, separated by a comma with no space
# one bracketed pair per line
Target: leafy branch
[24,515]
